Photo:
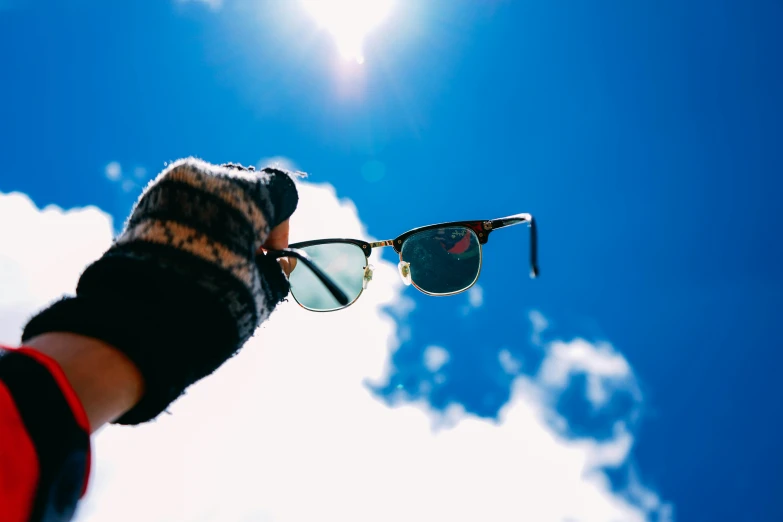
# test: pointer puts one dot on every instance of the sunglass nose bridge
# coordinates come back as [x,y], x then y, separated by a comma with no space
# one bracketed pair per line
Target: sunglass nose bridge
[368,271]
[405,272]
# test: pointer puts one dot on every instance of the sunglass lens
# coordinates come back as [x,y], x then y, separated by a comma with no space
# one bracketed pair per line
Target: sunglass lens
[443,260]
[344,263]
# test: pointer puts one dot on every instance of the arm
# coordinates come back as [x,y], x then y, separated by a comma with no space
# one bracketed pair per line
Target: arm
[177,294]
[103,378]
[105,381]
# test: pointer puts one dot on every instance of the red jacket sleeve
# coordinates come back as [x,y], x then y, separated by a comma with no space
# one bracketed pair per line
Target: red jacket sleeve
[44,440]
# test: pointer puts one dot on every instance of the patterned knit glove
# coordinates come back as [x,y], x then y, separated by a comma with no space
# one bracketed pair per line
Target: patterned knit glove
[182,288]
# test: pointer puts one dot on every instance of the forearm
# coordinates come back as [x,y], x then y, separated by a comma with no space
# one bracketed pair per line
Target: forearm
[104,379]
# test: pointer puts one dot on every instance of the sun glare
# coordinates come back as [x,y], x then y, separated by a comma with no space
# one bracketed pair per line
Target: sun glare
[349,21]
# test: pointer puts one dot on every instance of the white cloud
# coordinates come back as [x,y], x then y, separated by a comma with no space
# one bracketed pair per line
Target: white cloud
[288,430]
[435,357]
[42,253]
[127,182]
[113,171]
[539,323]
[605,369]
[475,299]
[476,296]
[402,306]
[510,364]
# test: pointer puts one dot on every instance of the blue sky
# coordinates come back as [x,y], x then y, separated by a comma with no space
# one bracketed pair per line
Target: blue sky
[644,136]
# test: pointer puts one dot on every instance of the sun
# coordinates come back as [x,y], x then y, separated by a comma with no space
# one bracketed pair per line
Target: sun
[349,21]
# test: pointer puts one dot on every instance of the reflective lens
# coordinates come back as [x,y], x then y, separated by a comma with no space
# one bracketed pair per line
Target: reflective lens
[443,260]
[344,263]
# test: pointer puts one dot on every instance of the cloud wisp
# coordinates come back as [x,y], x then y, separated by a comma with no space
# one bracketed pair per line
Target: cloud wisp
[289,430]
[128,181]
[475,298]
[212,4]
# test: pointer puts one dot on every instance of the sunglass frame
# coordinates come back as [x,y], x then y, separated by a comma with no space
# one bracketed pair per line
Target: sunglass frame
[482,229]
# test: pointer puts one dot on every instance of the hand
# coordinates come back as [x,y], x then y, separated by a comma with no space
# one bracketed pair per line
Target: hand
[278,240]
[186,283]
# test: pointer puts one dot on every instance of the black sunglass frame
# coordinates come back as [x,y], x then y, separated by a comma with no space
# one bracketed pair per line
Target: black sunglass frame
[338,294]
[482,228]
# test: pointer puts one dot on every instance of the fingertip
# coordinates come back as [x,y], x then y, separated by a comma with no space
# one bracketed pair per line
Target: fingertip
[285,264]
[278,237]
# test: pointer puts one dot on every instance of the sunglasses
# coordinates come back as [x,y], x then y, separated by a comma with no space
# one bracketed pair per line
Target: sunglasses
[442,259]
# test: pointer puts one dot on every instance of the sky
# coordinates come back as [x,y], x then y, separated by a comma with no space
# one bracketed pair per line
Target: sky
[636,379]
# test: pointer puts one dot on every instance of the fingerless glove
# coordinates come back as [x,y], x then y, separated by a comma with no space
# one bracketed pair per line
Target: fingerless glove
[182,288]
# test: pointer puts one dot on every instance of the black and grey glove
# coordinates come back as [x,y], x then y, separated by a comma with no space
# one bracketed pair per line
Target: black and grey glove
[182,287]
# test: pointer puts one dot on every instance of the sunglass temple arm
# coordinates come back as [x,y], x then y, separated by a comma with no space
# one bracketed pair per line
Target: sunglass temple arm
[514,220]
[325,279]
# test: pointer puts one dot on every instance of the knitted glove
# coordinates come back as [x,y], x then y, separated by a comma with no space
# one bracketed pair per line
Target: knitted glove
[182,288]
